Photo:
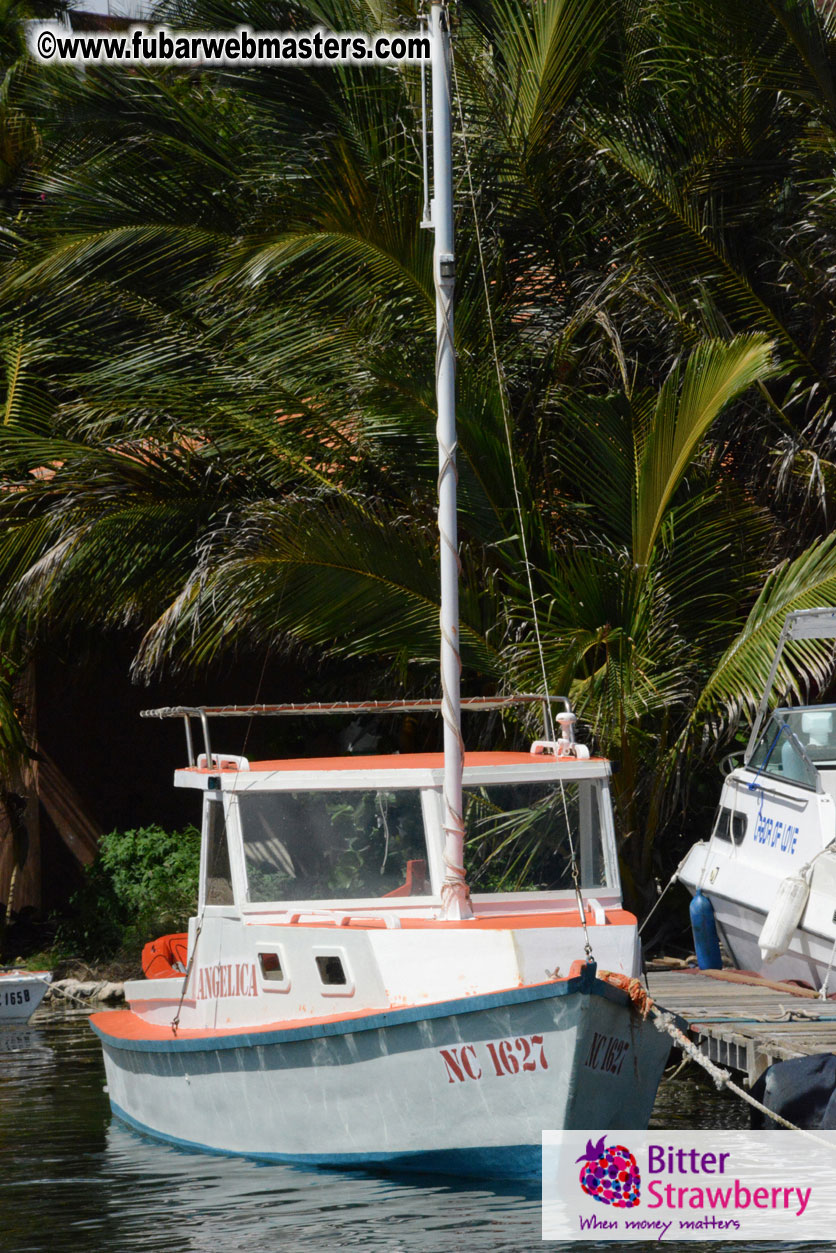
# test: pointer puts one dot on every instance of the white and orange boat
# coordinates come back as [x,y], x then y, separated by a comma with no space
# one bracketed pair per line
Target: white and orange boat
[345,999]
[333,1011]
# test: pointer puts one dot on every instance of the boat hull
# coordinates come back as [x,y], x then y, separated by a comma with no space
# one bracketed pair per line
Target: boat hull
[742,885]
[807,959]
[21,992]
[463,1087]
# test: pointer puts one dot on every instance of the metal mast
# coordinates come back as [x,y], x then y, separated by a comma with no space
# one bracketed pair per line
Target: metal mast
[454,892]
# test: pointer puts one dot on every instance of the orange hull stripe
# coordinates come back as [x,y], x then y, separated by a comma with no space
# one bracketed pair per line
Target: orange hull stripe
[123,1024]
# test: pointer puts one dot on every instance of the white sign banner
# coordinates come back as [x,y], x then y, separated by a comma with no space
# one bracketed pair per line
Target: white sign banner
[689,1185]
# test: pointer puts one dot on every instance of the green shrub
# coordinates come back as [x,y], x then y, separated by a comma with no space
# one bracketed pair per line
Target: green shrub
[142,884]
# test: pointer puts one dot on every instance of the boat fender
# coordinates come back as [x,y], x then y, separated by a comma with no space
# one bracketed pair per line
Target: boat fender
[166,957]
[784,916]
[704,928]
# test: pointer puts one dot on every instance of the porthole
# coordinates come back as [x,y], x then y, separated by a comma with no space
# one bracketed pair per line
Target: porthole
[271,967]
[331,971]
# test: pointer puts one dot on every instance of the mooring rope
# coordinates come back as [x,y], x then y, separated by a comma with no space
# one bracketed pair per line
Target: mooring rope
[663,1021]
[671,881]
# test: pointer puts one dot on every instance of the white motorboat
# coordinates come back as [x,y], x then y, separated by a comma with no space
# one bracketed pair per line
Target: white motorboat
[345,999]
[21,992]
[769,867]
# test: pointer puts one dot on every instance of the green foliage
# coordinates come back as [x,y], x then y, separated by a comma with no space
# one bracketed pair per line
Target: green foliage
[142,884]
[217,338]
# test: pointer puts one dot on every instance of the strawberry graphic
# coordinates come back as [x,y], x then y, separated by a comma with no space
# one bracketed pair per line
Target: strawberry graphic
[610,1174]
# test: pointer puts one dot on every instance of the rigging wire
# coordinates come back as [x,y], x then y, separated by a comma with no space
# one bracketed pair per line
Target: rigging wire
[506,421]
[426,216]
[503,398]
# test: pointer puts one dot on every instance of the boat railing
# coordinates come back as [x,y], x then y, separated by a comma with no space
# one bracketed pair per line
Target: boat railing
[472,704]
[730,762]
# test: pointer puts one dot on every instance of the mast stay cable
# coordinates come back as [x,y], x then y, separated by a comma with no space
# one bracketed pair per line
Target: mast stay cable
[506,421]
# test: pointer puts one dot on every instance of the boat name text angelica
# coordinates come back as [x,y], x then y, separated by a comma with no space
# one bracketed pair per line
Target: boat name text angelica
[231,979]
[514,1056]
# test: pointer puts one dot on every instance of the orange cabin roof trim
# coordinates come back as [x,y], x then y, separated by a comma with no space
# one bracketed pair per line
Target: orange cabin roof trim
[481,921]
[394,761]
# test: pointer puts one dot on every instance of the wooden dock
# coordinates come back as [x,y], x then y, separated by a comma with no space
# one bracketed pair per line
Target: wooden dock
[745,1025]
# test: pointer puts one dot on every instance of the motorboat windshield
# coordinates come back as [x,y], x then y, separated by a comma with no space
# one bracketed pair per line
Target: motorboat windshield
[796,744]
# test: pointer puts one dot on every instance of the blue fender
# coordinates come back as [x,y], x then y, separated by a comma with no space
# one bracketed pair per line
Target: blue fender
[704,927]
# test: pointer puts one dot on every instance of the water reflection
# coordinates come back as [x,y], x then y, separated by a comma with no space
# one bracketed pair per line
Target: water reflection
[75,1180]
[221,1203]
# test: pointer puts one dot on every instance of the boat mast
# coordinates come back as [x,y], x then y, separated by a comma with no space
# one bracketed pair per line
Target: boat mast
[454,892]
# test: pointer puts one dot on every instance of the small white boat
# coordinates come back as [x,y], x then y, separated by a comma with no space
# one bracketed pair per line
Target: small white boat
[333,1013]
[21,992]
[769,867]
[346,999]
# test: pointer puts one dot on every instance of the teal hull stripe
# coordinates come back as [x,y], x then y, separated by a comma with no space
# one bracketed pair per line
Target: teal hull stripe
[506,1161]
[586,982]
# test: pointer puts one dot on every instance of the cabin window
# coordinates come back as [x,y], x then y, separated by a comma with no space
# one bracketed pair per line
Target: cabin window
[305,846]
[218,882]
[525,829]
[730,826]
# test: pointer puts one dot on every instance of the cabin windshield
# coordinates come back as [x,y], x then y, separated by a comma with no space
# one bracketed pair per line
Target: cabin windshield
[304,846]
[518,835]
[796,743]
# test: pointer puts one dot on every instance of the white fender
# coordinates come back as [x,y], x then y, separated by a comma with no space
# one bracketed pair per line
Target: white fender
[784,916]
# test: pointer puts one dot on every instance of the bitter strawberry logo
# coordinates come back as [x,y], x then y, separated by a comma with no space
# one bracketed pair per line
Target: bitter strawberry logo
[610,1174]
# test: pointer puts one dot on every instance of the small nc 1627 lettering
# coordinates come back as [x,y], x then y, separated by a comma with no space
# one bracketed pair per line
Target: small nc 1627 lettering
[519,1055]
[606,1052]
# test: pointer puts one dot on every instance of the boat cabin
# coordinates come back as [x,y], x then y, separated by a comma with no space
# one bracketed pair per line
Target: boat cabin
[367,833]
[323,877]
[768,867]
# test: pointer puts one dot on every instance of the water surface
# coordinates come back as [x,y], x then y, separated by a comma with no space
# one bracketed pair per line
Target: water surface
[75,1179]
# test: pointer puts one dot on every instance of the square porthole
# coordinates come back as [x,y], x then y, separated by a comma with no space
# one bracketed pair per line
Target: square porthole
[273,974]
[334,974]
[331,971]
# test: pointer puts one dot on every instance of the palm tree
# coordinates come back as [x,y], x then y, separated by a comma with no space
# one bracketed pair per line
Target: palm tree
[233,312]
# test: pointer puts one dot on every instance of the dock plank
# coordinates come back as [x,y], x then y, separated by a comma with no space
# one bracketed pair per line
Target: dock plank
[745,1025]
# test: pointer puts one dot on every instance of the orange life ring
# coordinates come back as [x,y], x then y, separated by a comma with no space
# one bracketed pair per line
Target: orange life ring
[166,957]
